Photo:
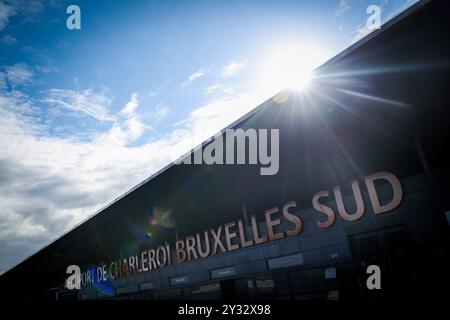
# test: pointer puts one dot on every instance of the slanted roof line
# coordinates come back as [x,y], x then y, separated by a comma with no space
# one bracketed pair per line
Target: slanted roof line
[388,24]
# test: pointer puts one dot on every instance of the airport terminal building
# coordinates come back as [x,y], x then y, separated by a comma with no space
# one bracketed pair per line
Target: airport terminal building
[363,179]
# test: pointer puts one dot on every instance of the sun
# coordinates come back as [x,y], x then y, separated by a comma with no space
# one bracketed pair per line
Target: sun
[289,66]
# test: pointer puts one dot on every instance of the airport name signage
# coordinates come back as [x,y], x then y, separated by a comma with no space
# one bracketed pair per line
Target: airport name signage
[233,235]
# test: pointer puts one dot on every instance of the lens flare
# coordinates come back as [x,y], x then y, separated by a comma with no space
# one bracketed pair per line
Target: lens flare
[160,218]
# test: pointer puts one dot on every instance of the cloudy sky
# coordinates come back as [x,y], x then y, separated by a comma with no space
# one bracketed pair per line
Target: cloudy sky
[87,114]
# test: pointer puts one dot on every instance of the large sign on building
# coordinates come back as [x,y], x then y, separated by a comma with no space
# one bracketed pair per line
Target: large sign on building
[232,236]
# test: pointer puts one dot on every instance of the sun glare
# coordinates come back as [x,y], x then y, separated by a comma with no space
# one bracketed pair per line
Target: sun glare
[289,67]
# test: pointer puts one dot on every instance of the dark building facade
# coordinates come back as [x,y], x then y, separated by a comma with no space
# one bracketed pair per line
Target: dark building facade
[363,179]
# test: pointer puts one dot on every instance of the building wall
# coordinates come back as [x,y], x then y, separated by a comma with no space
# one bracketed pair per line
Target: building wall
[298,267]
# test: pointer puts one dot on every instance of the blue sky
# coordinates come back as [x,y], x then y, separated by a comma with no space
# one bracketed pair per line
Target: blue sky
[87,114]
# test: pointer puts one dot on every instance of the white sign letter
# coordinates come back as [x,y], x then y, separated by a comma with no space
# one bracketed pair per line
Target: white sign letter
[374,280]
[74,280]
[74,20]
[373,21]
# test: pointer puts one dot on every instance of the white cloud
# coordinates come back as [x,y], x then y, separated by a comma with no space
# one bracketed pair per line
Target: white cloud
[88,102]
[159,112]
[360,32]
[7,40]
[3,83]
[46,68]
[122,133]
[131,105]
[6,11]
[343,7]
[64,180]
[212,88]
[232,68]
[18,74]
[28,9]
[196,75]
[214,116]
[125,129]
[218,90]
[40,54]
